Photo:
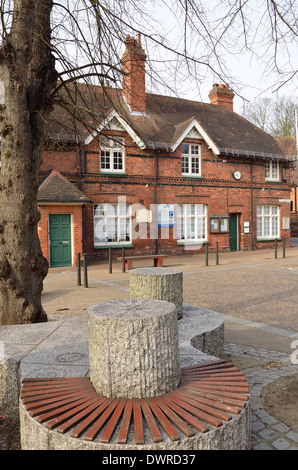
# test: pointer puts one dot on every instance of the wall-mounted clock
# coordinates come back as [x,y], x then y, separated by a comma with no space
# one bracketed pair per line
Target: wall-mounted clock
[237,175]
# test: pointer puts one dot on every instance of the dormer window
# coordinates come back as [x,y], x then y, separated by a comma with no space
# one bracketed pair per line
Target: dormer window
[272,170]
[111,154]
[191,159]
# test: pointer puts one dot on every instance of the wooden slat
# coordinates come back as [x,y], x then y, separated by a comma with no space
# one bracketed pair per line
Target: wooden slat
[209,394]
[124,428]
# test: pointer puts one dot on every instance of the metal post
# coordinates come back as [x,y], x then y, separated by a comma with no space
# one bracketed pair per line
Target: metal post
[123,259]
[284,248]
[275,249]
[110,260]
[85,271]
[206,255]
[217,262]
[79,269]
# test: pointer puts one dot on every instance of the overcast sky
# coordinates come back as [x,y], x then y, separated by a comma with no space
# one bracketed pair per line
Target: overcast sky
[251,72]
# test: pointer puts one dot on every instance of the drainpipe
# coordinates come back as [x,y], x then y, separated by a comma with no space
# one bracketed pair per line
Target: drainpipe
[155,202]
[252,207]
[80,168]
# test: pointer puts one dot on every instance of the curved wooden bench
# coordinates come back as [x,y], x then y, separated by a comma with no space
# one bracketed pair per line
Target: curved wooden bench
[208,395]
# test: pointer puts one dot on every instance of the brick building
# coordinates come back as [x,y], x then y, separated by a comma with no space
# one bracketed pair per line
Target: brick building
[160,174]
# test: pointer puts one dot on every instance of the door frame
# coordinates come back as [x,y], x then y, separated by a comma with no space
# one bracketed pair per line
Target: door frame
[71,235]
[237,229]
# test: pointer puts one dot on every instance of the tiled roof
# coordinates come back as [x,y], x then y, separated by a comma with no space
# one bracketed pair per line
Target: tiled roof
[165,119]
[56,188]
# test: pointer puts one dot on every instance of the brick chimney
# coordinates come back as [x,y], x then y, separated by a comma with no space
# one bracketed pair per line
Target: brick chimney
[222,95]
[133,65]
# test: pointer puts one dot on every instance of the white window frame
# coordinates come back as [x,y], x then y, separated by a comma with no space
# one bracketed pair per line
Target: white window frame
[189,156]
[111,148]
[272,170]
[268,222]
[104,214]
[188,218]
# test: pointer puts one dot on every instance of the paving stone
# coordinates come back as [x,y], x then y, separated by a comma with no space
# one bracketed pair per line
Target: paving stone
[269,420]
[257,425]
[280,427]
[280,444]
[262,446]
[268,434]
[293,436]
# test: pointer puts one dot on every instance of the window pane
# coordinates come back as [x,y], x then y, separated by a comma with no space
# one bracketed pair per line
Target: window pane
[195,165]
[185,149]
[200,209]
[201,227]
[190,228]
[104,160]
[259,227]
[190,209]
[111,230]
[118,161]
[99,231]
[99,210]
[274,227]
[194,149]
[111,209]
[266,227]
[185,164]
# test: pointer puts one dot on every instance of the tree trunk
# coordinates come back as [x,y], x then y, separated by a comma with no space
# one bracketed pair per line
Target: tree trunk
[27,73]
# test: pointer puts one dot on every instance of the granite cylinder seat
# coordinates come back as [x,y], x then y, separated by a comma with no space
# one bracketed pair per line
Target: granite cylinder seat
[133,348]
[158,283]
[137,397]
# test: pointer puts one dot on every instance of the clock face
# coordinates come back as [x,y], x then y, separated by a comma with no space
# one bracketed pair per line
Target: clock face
[237,175]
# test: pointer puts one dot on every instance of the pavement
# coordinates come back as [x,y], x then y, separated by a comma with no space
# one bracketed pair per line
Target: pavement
[255,293]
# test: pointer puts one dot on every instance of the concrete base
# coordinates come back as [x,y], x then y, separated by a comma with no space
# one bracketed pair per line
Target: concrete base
[234,435]
[10,384]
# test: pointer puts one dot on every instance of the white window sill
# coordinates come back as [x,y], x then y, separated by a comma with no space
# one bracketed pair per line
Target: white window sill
[191,175]
[191,242]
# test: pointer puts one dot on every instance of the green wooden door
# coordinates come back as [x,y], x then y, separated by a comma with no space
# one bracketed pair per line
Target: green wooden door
[60,240]
[233,232]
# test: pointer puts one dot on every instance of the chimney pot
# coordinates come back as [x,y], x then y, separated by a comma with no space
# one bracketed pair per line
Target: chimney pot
[221,95]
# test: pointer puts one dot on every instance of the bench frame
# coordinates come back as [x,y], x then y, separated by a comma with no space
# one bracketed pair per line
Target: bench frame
[158,260]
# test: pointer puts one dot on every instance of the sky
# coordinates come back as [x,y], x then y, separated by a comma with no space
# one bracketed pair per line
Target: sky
[251,74]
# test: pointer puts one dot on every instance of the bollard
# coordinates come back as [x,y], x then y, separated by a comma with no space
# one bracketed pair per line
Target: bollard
[275,249]
[123,259]
[206,255]
[284,248]
[110,260]
[79,269]
[217,261]
[85,271]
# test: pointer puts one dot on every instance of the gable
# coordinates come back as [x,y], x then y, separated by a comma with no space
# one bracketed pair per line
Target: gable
[115,122]
[192,130]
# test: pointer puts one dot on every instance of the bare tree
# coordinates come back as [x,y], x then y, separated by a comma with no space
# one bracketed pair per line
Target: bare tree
[276,116]
[48,49]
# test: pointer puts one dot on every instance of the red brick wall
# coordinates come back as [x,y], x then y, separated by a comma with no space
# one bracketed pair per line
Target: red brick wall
[76,232]
[216,188]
